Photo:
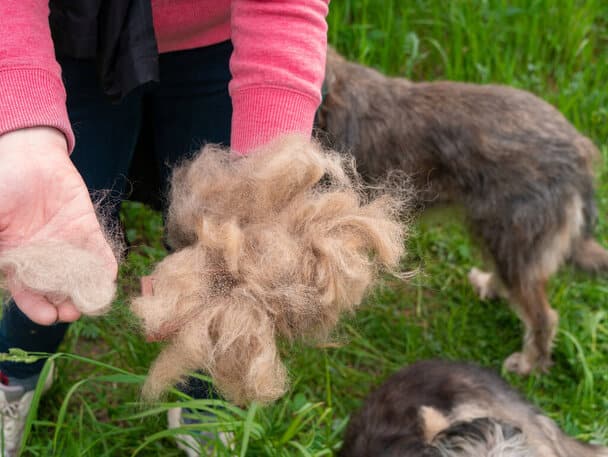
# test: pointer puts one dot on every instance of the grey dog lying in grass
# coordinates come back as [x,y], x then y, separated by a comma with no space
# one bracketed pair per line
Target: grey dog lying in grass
[448,409]
[521,171]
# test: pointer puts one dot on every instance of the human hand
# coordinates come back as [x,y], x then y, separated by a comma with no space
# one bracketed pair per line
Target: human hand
[43,198]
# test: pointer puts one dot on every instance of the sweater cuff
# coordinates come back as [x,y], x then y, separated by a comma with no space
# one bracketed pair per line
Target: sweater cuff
[33,97]
[260,114]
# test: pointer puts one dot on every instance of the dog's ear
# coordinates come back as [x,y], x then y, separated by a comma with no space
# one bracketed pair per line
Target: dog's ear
[353,130]
[333,60]
[338,123]
[433,422]
[337,114]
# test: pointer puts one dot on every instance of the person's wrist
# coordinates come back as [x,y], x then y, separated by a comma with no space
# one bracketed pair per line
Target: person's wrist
[33,140]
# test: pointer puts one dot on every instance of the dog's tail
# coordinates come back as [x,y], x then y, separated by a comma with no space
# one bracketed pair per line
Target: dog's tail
[589,255]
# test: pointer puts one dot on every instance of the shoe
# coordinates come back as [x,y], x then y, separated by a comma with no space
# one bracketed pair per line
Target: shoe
[199,443]
[15,403]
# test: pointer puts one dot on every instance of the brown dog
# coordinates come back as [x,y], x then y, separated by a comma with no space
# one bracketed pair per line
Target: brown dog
[522,173]
[447,409]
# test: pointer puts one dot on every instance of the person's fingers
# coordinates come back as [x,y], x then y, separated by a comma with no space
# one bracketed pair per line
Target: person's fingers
[43,199]
[67,312]
[35,306]
[44,312]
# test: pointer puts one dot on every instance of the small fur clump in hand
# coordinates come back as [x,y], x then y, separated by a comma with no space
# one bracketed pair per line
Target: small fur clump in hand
[59,270]
[276,244]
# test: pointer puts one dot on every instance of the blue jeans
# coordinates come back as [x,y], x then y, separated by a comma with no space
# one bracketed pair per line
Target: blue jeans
[190,107]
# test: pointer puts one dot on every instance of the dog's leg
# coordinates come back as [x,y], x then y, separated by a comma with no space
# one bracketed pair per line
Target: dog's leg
[529,298]
[540,321]
[487,285]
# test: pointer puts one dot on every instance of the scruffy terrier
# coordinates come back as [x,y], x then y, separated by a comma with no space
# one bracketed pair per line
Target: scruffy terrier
[521,171]
[438,408]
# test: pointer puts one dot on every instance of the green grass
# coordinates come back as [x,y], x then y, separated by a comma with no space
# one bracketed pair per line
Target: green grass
[555,49]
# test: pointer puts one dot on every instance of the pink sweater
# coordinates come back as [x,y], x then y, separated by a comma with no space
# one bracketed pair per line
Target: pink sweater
[277,65]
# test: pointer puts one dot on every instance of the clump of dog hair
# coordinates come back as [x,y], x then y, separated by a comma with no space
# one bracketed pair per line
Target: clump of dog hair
[277,244]
[60,270]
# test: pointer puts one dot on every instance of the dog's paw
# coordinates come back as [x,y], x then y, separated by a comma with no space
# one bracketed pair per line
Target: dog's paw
[544,365]
[482,283]
[518,363]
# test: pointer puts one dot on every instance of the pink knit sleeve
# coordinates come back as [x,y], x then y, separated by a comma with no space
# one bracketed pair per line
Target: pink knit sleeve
[31,90]
[277,66]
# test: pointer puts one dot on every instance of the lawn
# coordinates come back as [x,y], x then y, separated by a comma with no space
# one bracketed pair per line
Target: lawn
[558,50]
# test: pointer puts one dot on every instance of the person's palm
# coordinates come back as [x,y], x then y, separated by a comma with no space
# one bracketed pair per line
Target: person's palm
[43,198]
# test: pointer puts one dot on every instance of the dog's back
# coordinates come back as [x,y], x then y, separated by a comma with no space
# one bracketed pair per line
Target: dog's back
[465,138]
[500,152]
[444,409]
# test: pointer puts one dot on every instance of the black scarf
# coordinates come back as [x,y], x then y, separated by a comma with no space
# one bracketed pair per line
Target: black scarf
[119,34]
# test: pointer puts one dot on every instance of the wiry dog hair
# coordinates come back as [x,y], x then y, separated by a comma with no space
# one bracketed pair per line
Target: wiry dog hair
[438,408]
[276,244]
[521,171]
[481,437]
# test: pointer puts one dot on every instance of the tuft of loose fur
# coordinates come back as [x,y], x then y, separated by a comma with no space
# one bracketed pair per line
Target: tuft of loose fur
[278,244]
[438,408]
[60,270]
